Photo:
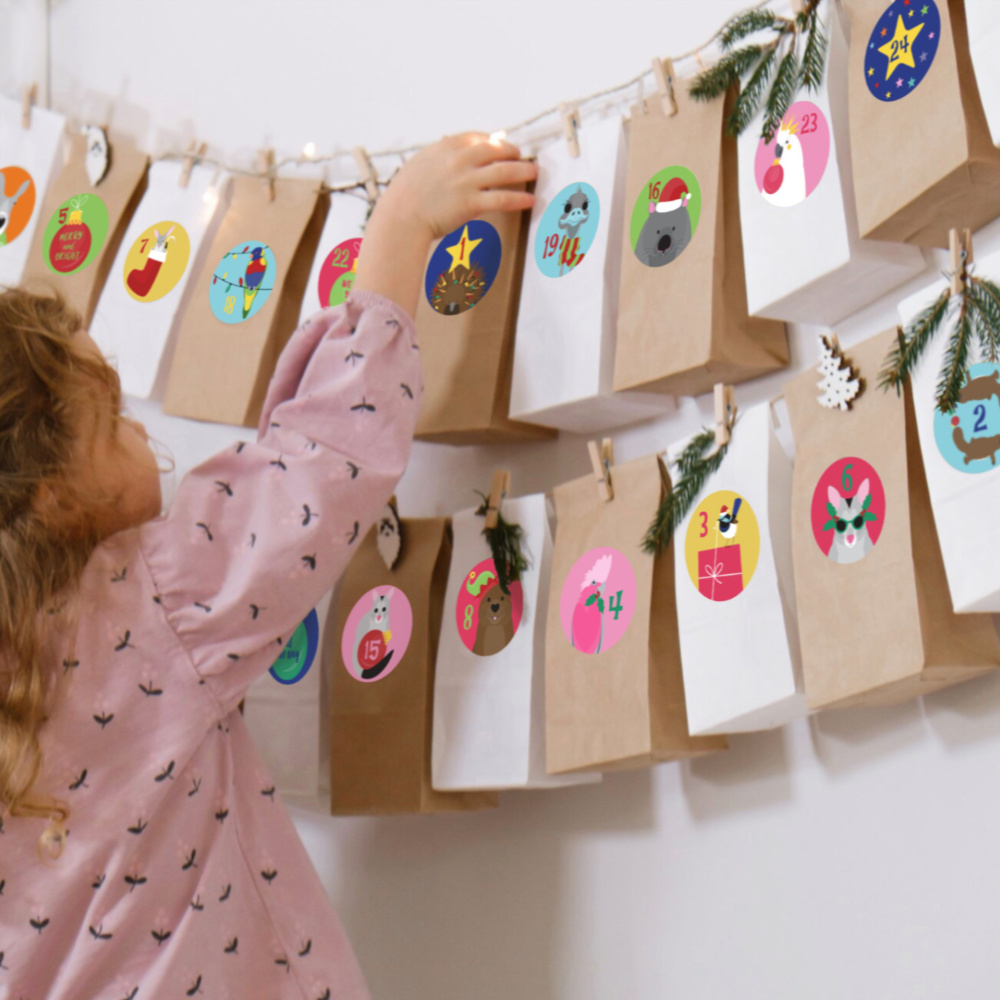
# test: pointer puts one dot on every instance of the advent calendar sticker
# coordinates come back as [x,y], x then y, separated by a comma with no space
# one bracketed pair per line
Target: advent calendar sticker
[297,657]
[598,599]
[722,546]
[848,510]
[485,616]
[338,273]
[901,48]
[17,202]
[75,233]
[969,437]
[567,229]
[242,282]
[376,634]
[156,261]
[463,267]
[665,216]
[789,168]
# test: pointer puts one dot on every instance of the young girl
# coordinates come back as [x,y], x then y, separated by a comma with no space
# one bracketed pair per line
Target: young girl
[144,852]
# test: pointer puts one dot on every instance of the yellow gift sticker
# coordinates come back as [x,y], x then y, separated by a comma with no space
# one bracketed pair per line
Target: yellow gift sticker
[722,546]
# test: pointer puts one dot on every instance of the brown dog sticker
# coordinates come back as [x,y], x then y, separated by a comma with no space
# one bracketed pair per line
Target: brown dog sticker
[487,616]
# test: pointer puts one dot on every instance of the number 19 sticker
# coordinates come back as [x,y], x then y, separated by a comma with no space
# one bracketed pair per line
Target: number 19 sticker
[598,599]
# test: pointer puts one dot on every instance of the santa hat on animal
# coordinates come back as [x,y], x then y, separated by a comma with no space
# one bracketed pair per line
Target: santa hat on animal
[675,194]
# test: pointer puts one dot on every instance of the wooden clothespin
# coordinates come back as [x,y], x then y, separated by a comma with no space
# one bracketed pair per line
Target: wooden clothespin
[601,460]
[265,164]
[725,412]
[797,7]
[29,95]
[366,172]
[499,489]
[570,123]
[960,243]
[194,154]
[663,71]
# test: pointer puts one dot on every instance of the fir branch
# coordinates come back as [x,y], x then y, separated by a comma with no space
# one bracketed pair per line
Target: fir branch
[694,469]
[746,23]
[751,94]
[814,56]
[902,359]
[985,298]
[505,546]
[781,95]
[956,359]
[717,79]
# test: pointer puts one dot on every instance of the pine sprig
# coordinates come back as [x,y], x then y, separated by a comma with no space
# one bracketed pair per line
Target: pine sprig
[755,62]
[693,469]
[505,546]
[984,296]
[902,359]
[956,359]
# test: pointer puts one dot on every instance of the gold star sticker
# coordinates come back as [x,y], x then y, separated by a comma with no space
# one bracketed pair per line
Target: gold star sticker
[461,252]
[899,49]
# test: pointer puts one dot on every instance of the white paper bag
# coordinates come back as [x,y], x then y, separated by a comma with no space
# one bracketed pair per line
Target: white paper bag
[803,257]
[489,687]
[27,159]
[735,589]
[565,345]
[983,20]
[333,269]
[963,487]
[282,708]
[149,280]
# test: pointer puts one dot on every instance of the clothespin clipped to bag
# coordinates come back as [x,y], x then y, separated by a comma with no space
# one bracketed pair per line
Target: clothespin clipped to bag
[499,489]
[663,71]
[797,7]
[601,459]
[366,172]
[265,165]
[29,95]
[570,123]
[725,413]
[960,244]
[194,154]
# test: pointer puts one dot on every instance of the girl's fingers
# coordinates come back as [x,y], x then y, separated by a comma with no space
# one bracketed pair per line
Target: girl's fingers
[502,201]
[505,172]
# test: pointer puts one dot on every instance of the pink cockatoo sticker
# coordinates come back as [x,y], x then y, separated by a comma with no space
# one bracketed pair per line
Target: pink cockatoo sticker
[597,601]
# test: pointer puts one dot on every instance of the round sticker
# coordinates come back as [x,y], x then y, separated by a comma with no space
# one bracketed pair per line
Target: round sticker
[722,546]
[901,48]
[598,599]
[75,234]
[156,261]
[242,282]
[297,657]
[485,616]
[17,202]
[463,267]
[969,436]
[665,216]
[376,634]
[338,272]
[848,510]
[567,229]
[788,168]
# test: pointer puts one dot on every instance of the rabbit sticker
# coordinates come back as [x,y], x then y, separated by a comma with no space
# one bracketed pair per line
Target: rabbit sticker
[376,634]
[157,261]
[848,510]
[17,202]
[598,599]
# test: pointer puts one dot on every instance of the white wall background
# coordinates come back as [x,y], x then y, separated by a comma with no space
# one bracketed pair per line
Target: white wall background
[850,856]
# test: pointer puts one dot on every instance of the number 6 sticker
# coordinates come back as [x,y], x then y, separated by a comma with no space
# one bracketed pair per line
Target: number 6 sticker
[848,510]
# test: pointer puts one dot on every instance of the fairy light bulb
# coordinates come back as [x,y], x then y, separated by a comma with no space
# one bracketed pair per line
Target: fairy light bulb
[309,150]
[498,137]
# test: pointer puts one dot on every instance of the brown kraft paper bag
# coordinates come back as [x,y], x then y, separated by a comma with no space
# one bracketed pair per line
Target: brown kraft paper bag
[621,706]
[682,322]
[924,162]
[220,370]
[467,353]
[875,617]
[381,727]
[120,190]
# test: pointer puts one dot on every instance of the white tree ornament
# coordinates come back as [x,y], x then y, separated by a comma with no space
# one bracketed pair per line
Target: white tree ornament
[839,383]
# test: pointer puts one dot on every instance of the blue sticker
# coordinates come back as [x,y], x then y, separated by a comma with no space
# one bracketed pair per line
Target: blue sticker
[901,48]
[242,282]
[969,437]
[567,230]
[297,657]
[463,267]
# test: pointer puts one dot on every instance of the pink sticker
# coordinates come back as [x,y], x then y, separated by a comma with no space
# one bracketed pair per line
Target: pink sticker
[486,617]
[598,599]
[848,510]
[376,634]
[337,273]
[791,165]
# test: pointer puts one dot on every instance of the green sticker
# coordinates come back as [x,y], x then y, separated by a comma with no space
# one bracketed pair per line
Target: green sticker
[75,234]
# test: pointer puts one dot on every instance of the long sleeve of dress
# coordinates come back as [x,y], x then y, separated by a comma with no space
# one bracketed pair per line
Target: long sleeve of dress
[258,533]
